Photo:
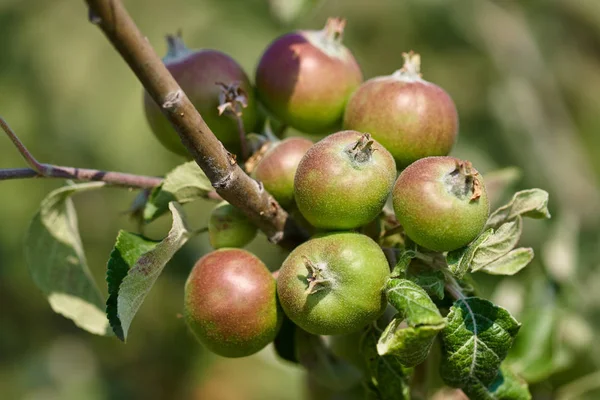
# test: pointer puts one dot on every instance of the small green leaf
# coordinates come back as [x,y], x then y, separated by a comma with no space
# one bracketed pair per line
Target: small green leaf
[403,262]
[56,261]
[459,260]
[532,203]
[499,243]
[409,336]
[431,280]
[134,265]
[409,344]
[412,302]
[388,378]
[184,184]
[510,263]
[475,341]
[506,386]
[322,365]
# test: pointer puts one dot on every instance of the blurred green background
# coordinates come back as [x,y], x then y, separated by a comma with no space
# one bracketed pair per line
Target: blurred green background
[525,76]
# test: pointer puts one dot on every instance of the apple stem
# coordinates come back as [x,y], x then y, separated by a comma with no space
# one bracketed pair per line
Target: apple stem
[334,29]
[411,70]
[176,47]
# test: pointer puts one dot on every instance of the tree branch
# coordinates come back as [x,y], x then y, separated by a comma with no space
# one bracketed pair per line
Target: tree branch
[230,182]
[83,174]
[40,170]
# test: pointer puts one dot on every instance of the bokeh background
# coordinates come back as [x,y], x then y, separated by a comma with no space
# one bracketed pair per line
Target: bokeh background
[525,76]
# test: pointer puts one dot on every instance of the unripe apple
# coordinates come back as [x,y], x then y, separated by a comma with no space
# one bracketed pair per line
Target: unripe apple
[409,116]
[441,202]
[229,227]
[231,303]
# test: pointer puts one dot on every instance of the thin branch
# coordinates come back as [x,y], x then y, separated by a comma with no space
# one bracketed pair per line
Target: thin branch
[83,174]
[33,163]
[39,170]
[217,163]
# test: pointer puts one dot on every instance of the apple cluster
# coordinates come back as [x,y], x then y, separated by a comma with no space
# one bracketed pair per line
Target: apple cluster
[336,188]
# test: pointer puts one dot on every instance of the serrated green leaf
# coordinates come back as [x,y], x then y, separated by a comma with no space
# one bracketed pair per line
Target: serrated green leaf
[409,336]
[506,386]
[184,184]
[510,263]
[57,263]
[475,341]
[403,262]
[388,378]
[412,302]
[532,203]
[322,365]
[410,345]
[432,281]
[498,244]
[459,260]
[134,265]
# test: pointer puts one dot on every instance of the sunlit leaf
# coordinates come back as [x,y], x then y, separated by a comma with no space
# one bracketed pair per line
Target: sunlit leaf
[459,261]
[184,184]
[532,203]
[134,265]
[498,244]
[57,263]
[510,263]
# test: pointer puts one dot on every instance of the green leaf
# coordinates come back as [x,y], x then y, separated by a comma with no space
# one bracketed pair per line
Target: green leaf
[475,341]
[409,344]
[184,184]
[403,262]
[532,203]
[388,378]
[431,280]
[134,265]
[510,263]
[56,261]
[498,244]
[409,336]
[506,386]
[459,260]
[412,302]
[322,365]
